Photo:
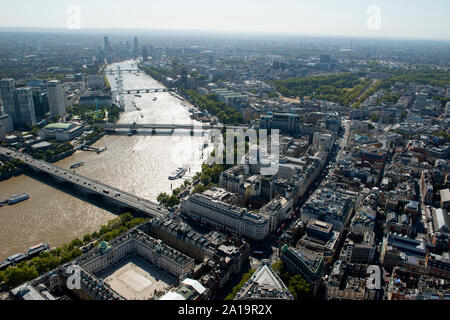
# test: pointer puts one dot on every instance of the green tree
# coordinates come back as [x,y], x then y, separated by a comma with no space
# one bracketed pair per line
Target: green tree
[300,288]
[76,243]
[126,217]
[241,283]
[172,201]
[87,238]
[162,198]
[16,275]
[200,188]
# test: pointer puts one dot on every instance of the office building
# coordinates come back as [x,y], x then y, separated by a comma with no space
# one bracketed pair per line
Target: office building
[309,265]
[96,81]
[136,48]
[6,123]
[56,100]
[26,106]
[40,101]
[276,211]
[214,208]
[7,92]
[145,54]
[106,44]
[282,121]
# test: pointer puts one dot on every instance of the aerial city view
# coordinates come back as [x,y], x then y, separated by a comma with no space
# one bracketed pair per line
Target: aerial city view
[197,153]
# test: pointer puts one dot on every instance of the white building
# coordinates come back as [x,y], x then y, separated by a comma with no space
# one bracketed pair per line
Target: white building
[212,208]
[139,243]
[276,211]
[61,131]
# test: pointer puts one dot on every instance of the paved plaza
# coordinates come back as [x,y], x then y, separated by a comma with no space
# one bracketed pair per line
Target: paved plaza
[135,279]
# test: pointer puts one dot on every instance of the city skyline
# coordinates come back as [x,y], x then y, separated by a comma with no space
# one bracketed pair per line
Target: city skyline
[380,19]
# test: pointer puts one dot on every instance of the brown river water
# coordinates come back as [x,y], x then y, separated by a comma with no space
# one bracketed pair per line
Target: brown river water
[138,164]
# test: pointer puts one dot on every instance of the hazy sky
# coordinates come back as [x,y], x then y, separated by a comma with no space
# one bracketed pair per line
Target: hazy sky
[398,18]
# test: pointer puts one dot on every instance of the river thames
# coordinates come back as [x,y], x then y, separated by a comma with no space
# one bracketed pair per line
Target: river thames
[138,164]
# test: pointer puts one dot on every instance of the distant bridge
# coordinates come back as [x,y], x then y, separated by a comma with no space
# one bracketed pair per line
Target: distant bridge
[146,90]
[111,71]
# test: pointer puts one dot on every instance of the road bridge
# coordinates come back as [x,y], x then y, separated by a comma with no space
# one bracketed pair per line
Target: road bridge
[111,71]
[146,90]
[113,195]
[153,126]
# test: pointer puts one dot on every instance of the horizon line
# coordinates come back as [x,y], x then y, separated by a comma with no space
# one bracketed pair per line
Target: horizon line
[223,32]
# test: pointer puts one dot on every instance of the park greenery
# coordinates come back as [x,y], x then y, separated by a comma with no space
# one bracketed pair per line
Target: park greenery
[443,134]
[442,100]
[273,94]
[241,283]
[379,84]
[343,88]
[298,286]
[432,77]
[390,98]
[173,200]
[352,88]
[168,201]
[96,132]
[107,84]
[9,167]
[90,114]
[210,103]
[56,149]
[156,73]
[47,261]
[210,174]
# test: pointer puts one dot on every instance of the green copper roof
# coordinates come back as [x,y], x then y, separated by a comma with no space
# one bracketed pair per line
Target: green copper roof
[64,126]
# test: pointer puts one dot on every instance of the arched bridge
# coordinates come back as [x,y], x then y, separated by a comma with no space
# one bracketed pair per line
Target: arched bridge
[111,71]
[146,90]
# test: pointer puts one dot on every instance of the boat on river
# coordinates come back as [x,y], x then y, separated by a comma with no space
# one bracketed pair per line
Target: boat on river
[178,173]
[77,165]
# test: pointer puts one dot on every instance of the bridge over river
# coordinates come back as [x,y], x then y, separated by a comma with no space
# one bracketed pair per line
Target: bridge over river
[147,90]
[86,185]
[134,125]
